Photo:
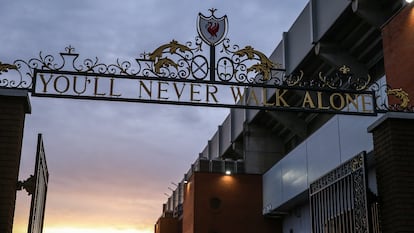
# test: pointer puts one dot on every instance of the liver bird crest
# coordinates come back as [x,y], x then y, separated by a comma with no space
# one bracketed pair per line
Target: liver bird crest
[213,28]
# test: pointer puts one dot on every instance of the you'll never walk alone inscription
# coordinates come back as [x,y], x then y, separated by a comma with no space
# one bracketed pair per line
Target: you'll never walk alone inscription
[183,74]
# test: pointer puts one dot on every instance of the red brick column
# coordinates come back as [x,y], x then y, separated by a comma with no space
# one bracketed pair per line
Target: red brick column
[14,104]
[398,44]
[393,138]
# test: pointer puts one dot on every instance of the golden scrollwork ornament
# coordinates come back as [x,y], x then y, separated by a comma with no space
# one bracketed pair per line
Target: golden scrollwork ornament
[4,67]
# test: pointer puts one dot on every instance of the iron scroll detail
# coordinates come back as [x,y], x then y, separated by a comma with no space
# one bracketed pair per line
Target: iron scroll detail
[188,62]
[172,61]
[176,61]
[248,77]
[241,69]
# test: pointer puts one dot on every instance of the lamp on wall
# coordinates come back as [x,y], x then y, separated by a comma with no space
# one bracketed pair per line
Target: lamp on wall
[409,1]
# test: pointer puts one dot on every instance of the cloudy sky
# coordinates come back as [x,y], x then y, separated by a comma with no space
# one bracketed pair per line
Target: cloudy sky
[110,163]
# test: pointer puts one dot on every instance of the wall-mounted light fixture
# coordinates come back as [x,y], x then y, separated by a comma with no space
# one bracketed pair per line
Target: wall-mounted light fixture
[228,172]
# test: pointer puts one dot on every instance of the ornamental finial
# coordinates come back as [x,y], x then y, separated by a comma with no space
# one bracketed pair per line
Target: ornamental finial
[212,10]
[70,49]
[344,69]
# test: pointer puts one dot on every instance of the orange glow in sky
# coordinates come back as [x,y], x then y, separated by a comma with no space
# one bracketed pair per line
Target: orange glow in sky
[86,217]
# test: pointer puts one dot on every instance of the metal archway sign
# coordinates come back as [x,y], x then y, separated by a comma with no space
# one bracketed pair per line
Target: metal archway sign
[182,74]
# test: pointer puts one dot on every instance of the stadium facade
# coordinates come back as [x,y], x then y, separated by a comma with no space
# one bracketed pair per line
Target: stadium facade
[289,172]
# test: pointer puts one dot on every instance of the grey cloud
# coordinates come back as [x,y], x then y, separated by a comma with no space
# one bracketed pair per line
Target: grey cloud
[124,143]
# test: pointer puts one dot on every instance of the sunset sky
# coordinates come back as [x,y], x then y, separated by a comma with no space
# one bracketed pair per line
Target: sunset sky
[111,163]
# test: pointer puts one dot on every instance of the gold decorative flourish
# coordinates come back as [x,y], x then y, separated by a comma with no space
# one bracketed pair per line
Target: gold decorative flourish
[344,69]
[327,82]
[400,94]
[265,64]
[344,77]
[357,163]
[172,48]
[293,80]
[364,84]
[6,67]
[164,62]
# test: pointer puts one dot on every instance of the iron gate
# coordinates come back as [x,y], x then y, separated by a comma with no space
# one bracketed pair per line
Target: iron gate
[338,200]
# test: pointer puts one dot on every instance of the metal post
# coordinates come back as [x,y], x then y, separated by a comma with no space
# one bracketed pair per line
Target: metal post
[212,63]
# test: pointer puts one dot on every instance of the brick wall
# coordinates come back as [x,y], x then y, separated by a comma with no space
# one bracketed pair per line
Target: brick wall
[217,203]
[12,115]
[394,156]
[398,44]
[168,224]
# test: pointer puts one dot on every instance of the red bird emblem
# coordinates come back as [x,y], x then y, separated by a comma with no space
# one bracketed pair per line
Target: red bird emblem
[212,28]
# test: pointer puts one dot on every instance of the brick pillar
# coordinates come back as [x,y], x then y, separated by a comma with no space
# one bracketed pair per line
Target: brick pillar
[14,104]
[398,44]
[393,136]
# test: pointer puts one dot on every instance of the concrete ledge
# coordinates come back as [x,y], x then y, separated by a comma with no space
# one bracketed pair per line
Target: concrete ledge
[390,115]
[22,94]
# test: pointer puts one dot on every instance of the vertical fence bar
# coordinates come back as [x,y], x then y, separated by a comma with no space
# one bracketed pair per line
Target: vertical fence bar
[337,200]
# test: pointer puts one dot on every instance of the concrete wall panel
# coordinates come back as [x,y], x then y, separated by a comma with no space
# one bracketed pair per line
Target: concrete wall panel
[323,150]
[225,135]
[272,188]
[214,145]
[324,14]
[294,173]
[353,135]
[237,122]
[297,41]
